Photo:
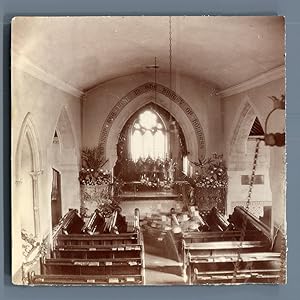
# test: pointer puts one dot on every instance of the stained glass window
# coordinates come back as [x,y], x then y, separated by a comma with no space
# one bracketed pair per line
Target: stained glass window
[148,137]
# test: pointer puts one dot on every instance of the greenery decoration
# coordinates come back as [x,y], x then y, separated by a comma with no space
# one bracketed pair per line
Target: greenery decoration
[211,173]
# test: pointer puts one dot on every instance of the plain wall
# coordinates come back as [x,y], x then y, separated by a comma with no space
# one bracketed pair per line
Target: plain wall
[45,103]
[275,166]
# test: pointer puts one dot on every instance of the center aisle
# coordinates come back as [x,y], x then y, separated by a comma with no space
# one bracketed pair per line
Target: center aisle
[162,271]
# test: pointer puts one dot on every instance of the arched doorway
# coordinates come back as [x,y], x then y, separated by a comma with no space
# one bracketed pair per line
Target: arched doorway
[56,204]
[63,168]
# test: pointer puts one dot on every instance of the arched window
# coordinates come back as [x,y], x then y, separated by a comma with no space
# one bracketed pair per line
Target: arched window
[148,136]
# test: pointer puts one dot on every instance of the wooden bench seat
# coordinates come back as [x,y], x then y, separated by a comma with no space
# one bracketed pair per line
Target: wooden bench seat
[243,276]
[92,258]
[245,257]
[86,279]
[224,245]
[118,266]
[210,257]
[194,237]
[253,267]
[97,239]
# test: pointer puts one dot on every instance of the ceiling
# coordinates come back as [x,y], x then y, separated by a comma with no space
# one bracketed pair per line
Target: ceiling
[87,51]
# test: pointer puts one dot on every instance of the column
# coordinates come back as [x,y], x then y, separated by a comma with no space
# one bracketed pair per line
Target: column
[35,176]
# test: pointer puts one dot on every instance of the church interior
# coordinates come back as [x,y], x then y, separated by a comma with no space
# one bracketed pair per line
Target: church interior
[148,150]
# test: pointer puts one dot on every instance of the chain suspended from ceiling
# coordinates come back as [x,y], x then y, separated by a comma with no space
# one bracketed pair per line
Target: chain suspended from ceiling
[172,125]
[170,51]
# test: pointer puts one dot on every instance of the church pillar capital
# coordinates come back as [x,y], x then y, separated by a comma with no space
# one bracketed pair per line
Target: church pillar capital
[36,174]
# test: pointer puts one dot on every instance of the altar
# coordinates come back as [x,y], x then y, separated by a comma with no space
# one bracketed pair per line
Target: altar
[136,195]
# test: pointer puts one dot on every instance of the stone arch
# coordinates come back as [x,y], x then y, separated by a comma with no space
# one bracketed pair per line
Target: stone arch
[133,101]
[240,163]
[67,160]
[242,129]
[29,134]
[65,130]
[242,126]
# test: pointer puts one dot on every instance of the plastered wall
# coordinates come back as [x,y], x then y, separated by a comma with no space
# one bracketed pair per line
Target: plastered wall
[43,106]
[199,95]
[271,162]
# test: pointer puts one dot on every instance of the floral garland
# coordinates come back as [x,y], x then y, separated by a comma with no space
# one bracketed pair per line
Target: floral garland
[211,173]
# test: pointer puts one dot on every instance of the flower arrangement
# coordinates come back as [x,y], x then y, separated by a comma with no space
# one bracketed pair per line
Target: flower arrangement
[91,176]
[211,173]
[91,172]
[156,173]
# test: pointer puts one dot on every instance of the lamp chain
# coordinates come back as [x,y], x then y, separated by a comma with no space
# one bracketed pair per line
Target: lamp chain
[170,51]
[244,220]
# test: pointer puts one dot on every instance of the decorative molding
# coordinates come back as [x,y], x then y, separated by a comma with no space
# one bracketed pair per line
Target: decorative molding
[22,63]
[247,111]
[28,130]
[236,148]
[159,88]
[257,81]
[36,174]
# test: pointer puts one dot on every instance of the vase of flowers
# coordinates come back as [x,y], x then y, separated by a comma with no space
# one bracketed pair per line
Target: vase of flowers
[96,186]
[211,181]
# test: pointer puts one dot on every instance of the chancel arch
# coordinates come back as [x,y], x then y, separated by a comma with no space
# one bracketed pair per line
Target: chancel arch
[168,100]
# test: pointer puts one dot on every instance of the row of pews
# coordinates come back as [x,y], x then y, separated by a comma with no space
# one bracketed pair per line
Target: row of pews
[211,247]
[98,251]
[211,254]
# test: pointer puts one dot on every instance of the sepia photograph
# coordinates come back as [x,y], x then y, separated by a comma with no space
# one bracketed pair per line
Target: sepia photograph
[148,150]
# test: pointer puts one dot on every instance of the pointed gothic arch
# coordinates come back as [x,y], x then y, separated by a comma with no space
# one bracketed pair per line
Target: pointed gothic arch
[65,130]
[127,105]
[29,135]
[67,160]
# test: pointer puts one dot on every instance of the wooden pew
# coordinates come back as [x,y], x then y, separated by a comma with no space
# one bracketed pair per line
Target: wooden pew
[253,223]
[96,223]
[209,257]
[218,222]
[69,223]
[255,267]
[95,258]
[85,279]
[73,223]
[99,246]
[104,266]
[212,236]
[199,255]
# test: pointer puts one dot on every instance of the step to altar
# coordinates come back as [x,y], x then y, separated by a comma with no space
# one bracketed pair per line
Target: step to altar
[149,203]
